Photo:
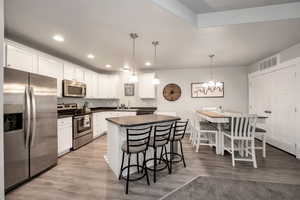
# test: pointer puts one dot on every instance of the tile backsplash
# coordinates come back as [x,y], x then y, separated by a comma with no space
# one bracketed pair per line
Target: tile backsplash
[92,102]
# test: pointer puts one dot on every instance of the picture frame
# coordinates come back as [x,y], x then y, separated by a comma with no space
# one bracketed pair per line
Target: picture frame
[198,91]
[128,89]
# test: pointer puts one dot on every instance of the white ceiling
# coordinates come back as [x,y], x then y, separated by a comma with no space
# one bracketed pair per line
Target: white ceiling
[205,6]
[103,27]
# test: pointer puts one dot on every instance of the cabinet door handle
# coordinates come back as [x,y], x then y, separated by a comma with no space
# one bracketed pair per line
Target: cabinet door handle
[268,111]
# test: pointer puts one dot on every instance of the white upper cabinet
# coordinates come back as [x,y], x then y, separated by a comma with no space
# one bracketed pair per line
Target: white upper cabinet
[114,86]
[89,84]
[95,87]
[79,74]
[52,68]
[102,86]
[108,86]
[91,80]
[146,88]
[21,59]
[69,71]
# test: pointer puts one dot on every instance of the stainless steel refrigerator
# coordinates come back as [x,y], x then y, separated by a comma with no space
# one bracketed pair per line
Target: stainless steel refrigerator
[30,125]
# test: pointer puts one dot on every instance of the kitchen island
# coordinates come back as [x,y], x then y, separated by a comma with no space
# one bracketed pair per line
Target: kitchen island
[116,136]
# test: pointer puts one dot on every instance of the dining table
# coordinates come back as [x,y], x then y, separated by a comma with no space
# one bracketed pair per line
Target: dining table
[219,118]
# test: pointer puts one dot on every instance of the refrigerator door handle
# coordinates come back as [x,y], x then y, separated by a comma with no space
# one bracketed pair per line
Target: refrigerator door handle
[33,108]
[28,113]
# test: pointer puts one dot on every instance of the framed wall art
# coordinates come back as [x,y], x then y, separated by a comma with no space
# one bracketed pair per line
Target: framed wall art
[128,89]
[198,90]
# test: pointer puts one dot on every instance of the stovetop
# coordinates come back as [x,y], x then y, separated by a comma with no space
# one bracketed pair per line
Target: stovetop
[70,110]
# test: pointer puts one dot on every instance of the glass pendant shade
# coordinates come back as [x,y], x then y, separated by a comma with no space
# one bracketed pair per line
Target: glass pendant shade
[133,78]
[219,84]
[156,81]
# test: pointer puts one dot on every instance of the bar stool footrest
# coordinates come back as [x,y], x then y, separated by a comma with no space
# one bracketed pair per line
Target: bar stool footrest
[170,155]
[158,160]
[141,168]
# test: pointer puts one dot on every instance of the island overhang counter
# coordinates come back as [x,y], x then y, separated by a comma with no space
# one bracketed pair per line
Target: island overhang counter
[116,136]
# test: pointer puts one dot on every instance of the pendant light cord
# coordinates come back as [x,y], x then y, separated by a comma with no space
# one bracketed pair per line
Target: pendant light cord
[133,36]
[211,66]
[155,44]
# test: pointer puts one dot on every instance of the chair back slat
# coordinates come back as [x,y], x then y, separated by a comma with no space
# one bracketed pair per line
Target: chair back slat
[179,130]
[138,137]
[162,133]
[245,128]
[243,125]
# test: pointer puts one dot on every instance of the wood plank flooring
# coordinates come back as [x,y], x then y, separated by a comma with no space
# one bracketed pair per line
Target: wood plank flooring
[84,175]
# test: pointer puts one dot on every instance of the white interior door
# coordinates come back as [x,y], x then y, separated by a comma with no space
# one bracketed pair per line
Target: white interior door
[274,94]
[284,109]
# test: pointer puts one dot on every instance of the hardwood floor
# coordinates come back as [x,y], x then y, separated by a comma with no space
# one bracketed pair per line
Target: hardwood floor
[83,174]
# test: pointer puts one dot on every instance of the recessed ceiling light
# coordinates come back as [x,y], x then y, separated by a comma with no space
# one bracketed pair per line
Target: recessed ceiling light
[126,67]
[147,63]
[90,56]
[108,66]
[58,38]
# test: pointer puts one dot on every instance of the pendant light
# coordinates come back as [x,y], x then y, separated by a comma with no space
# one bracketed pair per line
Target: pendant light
[212,84]
[155,80]
[133,78]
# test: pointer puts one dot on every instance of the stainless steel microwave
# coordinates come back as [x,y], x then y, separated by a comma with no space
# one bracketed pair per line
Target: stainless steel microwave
[73,89]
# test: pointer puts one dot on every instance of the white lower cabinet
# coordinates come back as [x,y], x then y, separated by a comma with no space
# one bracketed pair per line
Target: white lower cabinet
[100,123]
[64,135]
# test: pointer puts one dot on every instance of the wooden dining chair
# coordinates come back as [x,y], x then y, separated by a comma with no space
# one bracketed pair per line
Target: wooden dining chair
[203,133]
[242,130]
[200,125]
[261,134]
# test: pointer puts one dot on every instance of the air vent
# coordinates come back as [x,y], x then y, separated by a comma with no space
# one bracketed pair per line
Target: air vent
[268,62]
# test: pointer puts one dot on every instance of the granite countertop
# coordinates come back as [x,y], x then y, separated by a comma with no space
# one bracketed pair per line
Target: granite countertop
[59,116]
[129,121]
[113,109]
[110,109]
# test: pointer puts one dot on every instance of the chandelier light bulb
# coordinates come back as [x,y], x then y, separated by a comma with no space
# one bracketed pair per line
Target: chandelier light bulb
[205,85]
[219,84]
[156,81]
[211,84]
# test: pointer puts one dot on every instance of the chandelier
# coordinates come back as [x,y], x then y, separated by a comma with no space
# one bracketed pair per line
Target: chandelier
[133,77]
[155,80]
[212,85]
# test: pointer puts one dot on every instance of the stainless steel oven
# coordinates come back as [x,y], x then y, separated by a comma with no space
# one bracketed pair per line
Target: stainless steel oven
[82,130]
[74,89]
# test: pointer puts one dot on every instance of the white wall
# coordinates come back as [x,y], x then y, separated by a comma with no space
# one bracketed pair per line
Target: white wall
[133,101]
[1,101]
[234,78]
[236,90]
[290,53]
[285,55]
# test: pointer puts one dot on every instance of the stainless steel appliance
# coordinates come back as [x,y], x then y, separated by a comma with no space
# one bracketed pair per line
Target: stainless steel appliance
[82,130]
[70,107]
[82,123]
[30,125]
[74,89]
